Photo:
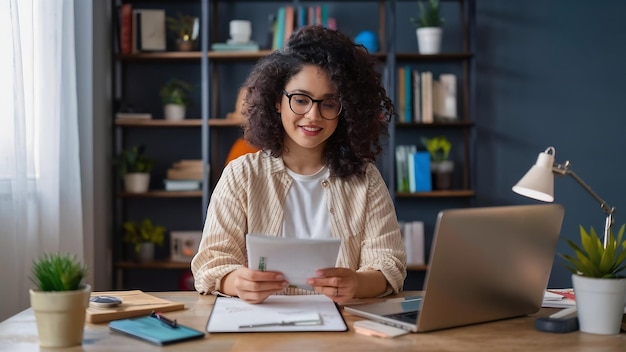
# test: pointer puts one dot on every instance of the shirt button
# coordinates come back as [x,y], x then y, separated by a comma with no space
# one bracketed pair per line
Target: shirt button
[325,184]
[332,210]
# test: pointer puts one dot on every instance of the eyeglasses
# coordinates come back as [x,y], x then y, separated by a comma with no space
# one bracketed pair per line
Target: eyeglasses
[300,104]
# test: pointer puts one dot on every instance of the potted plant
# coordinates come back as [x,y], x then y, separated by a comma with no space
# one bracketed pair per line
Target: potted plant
[134,168]
[60,299]
[175,97]
[599,289]
[428,25]
[143,237]
[185,30]
[439,149]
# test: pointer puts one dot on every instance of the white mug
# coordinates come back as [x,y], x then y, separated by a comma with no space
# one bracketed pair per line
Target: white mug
[240,31]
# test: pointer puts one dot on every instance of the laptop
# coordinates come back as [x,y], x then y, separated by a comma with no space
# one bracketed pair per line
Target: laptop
[486,264]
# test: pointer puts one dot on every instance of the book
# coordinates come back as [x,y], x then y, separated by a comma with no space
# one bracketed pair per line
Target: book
[133,115]
[279,32]
[251,46]
[419,172]
[417,97]
[427,97]
[150,30]
[408,95]
[182,185]
[401,95]
[444,97]
[134,303]
[126,31]
[289,23]
[151,329]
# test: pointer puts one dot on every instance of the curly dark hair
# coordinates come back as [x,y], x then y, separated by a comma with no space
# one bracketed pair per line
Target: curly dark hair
[366,111]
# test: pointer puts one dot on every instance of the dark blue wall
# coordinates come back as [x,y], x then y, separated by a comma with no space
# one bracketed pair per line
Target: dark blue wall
[552,73]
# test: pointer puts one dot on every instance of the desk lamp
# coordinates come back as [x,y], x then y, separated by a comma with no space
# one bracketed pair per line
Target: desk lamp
[538,183]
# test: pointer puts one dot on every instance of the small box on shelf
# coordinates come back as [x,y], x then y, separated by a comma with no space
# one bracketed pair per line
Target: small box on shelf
[184,245]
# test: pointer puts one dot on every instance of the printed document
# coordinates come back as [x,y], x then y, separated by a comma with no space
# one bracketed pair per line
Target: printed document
[276,313]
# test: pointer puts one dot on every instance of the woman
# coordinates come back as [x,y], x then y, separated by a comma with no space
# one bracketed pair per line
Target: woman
[316,110]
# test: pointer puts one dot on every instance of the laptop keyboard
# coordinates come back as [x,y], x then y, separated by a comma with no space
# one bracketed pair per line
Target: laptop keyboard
[407,317]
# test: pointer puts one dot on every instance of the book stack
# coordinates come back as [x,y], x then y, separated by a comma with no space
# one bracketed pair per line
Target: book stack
[422,99]
[413,236]
[289,17]
[413,172]
[140,29]
[184,175]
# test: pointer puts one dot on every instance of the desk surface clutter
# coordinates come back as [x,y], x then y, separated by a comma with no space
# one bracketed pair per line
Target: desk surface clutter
[19,333]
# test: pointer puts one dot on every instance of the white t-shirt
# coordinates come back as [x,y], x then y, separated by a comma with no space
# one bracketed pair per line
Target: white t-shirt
[306,210]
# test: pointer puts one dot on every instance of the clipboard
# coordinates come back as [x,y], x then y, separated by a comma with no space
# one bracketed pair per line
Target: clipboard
[154,331]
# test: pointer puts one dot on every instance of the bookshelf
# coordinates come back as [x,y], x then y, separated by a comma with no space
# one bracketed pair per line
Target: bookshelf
[206,134]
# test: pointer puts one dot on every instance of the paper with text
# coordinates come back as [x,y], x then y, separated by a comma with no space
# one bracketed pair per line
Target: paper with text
[297,259]
[231,314]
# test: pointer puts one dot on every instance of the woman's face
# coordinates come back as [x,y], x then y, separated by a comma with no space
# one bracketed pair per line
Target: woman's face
[309,130]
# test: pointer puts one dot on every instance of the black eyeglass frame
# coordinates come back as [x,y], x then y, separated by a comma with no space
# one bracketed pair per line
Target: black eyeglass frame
[313,101]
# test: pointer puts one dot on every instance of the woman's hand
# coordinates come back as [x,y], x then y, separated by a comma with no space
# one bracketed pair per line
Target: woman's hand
[254,286]
[340,284]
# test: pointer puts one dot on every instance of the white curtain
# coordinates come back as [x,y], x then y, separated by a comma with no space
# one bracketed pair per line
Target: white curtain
[40,186]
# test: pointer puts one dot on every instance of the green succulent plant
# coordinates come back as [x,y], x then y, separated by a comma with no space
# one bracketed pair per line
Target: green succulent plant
[133,160]
[176,92]
[428,16]
[593,259]
[438,147]
[58,272]
[137,233]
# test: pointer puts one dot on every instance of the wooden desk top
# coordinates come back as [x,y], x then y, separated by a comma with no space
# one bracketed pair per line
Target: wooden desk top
[19,333]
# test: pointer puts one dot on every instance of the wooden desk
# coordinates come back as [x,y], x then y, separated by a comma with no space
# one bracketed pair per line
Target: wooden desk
[19,333]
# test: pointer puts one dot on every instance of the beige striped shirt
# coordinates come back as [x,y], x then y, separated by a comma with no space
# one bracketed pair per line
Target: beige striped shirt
[249,198]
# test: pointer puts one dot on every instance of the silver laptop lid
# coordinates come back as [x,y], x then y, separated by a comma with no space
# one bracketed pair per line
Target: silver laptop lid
[489,263]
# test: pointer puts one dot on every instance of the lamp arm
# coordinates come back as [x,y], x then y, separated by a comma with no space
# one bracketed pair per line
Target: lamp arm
[565,169]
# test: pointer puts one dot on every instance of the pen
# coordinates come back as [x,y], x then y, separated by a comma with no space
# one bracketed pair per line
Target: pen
[283,323]
[169,322]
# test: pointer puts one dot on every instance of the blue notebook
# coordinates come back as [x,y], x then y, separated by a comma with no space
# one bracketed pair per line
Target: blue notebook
[154,331]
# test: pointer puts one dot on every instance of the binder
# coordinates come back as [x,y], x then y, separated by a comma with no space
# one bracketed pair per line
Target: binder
[154,331]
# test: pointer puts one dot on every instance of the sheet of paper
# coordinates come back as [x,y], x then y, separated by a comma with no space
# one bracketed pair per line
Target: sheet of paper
[230,314]
[297,259]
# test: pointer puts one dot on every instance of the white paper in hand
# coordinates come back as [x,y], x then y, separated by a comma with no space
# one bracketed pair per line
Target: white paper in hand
[296,258]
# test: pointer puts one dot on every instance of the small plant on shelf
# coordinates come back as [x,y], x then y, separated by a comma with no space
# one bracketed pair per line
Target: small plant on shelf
[175,97]
[438,147]
[143,236]
[428,16]
[185,30]
[133,160]
[429,31]
[134,168]
[58,272]
[592,259]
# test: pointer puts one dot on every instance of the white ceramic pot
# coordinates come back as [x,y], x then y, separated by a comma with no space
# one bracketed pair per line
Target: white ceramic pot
[60,316]
[174,112]
[600,304]
[136,182]
[429,40]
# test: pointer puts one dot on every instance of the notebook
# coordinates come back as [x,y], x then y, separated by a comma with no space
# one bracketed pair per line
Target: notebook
[152,330]
[486,264]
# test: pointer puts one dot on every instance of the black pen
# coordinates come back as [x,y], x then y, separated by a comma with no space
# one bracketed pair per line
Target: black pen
[169,322]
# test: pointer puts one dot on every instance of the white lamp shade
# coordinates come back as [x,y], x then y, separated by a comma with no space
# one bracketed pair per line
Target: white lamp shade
[538,183]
